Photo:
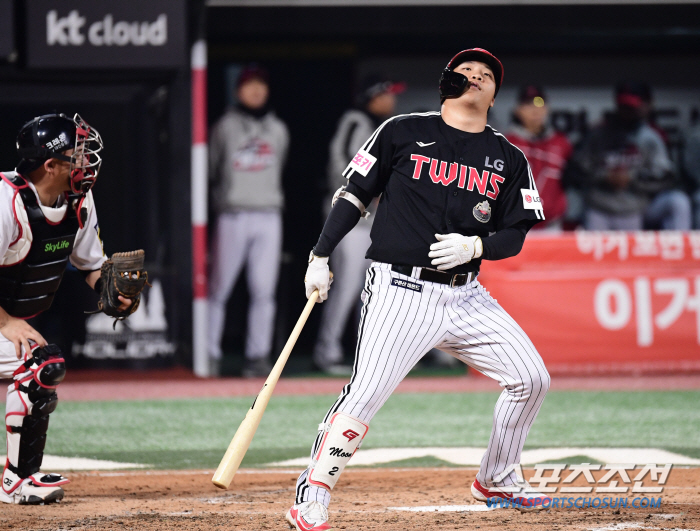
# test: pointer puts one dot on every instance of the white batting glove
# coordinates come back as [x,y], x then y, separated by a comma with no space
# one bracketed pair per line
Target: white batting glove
[454,249]
[318,277]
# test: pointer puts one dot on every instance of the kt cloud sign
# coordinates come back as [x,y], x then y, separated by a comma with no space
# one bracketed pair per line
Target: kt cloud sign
[115,34]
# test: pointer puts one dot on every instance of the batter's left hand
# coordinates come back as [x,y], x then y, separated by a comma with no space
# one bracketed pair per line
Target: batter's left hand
[454,249]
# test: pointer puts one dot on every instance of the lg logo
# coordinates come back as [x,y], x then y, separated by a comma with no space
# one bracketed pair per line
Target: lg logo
[497,164]
[66,31]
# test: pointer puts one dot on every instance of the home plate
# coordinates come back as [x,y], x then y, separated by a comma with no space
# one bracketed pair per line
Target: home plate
[56,462]
[444,508]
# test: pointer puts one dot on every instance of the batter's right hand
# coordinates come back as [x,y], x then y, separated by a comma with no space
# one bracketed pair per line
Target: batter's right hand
[20,332]
[318,277]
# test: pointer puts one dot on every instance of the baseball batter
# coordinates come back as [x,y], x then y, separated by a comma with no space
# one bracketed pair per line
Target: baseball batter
[47,217]
[453,192]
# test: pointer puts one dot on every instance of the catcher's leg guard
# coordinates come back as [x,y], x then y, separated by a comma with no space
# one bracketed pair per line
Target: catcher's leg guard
[31,398]
[340,439]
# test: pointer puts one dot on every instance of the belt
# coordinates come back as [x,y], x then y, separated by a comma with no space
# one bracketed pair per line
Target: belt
[432,275]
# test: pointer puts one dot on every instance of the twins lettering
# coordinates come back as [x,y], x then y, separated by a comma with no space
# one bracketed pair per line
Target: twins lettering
[467,177]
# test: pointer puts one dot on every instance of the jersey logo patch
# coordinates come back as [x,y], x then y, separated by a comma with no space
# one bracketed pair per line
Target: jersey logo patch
[424,144]
[405,284]
[363,162]
[531,199]
[482,212]
[256,155]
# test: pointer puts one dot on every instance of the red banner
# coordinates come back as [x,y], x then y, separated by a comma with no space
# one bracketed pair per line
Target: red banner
[605,301]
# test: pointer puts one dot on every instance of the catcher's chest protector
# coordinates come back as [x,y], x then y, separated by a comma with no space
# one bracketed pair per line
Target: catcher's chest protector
[33,266]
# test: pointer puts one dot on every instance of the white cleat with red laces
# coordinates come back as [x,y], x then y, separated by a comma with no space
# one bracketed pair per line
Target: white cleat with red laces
[520,496]
[308,516]
[37,489]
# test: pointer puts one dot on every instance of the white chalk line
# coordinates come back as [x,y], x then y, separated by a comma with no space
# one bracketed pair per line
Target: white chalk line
[635,525]
[472,456]
[444,508]
[60,463]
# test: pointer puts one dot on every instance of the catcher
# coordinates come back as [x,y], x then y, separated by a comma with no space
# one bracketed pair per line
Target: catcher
[47,217]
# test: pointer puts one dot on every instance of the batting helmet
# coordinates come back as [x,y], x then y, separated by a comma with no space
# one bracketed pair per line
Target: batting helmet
[49,136]
[453,85]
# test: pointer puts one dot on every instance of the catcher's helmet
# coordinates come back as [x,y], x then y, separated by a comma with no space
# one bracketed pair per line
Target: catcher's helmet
[453,85]
[49,136]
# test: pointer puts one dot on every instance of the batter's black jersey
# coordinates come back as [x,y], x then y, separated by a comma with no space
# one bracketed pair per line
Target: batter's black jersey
[434,178]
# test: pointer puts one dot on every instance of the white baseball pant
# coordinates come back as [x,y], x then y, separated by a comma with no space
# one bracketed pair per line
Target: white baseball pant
[253,238]
[8,365]
[349,266]
[399,325]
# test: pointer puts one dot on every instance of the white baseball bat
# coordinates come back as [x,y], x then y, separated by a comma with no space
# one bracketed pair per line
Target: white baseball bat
[244,435]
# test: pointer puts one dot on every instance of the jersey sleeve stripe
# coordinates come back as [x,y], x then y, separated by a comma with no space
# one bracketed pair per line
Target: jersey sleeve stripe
[370,141]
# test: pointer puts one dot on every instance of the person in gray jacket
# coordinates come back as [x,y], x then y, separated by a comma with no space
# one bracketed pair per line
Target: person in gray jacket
[376,100]
[625,173]
[247,151]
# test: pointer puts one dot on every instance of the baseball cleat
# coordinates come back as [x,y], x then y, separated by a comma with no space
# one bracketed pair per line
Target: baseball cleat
[35,492]
[308,516]
[525,501]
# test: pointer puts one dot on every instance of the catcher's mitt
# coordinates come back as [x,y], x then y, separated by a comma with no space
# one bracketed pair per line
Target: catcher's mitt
[122,275]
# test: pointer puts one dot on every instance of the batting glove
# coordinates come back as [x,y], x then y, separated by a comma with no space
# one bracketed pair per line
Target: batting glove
[454,249]
[318,277]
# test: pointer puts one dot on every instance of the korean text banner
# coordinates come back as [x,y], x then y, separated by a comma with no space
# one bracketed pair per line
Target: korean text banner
[605,301]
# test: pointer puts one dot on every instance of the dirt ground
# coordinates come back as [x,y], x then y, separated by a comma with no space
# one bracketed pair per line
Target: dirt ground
[258,500]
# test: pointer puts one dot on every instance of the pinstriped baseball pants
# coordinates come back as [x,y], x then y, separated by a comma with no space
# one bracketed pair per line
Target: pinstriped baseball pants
[399,325]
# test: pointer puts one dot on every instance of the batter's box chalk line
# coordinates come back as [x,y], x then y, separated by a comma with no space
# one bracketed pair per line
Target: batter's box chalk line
[56,462]
[444,508]
[635,525]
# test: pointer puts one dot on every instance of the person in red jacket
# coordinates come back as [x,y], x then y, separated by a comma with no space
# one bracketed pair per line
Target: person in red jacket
[547,151]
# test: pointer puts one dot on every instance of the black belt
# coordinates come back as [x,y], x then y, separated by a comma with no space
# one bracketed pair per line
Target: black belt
[432,275]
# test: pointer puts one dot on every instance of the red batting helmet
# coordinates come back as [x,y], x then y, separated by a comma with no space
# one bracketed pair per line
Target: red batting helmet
[453,85]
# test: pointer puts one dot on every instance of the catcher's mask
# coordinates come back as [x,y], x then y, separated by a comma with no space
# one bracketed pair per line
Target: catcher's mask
[453,84]
[49,136]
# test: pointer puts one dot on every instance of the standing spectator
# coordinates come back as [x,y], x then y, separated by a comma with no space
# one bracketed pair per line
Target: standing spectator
[648,112]
[248,148]
[626,174]
[546,149]
[691,164]
[376,102]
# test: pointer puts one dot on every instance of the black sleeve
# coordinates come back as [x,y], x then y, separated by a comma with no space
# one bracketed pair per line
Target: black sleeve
[507,242]
[341,220]
[358,192]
